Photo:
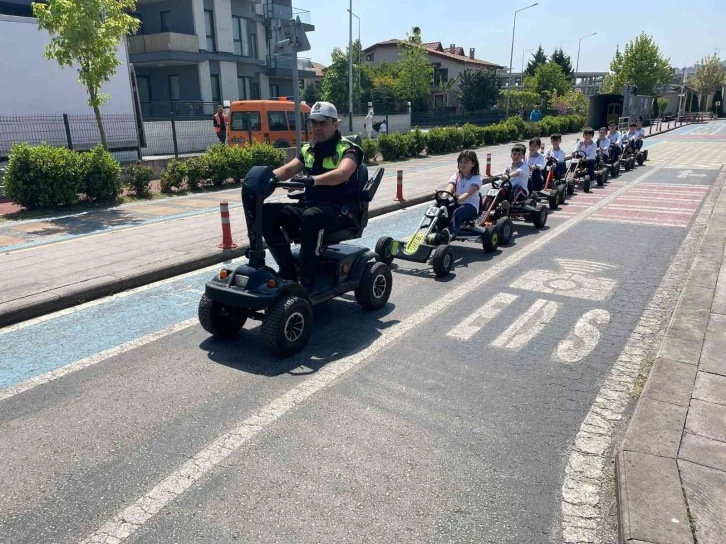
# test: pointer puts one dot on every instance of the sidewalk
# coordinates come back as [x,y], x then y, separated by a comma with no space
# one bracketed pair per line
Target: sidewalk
[671,469]
[51,264]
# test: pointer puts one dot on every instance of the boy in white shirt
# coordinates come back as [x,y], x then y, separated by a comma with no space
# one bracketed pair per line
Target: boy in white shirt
[517,174]
[603,142]
[616,147]
[588,147]
[641,134]
[630,138]
[536,165]
[558,154]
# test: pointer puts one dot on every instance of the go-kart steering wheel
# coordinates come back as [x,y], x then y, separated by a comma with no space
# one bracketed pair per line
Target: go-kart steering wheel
[446,195]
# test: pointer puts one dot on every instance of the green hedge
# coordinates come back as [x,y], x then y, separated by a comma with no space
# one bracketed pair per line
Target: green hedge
[451,139]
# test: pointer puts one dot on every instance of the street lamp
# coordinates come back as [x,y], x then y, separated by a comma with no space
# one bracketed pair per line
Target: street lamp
[523,53]
[577,66]
[350,68]
[511,54]
[360,47]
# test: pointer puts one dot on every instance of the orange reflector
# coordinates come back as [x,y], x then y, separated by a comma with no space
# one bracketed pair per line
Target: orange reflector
[271,283]
[346,268]
[223,274]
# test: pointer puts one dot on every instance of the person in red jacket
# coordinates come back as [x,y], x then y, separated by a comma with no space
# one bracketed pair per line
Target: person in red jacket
[220,124]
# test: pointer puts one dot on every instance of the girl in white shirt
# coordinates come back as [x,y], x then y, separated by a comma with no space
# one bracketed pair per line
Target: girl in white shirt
[588,146]
[465,184]
[615,141]
[535,164]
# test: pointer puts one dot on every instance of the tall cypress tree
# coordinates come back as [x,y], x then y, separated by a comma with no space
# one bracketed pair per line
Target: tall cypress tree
[563,60]
[538,59]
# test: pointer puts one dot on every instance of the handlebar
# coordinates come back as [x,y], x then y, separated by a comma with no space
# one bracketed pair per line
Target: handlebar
[290,185]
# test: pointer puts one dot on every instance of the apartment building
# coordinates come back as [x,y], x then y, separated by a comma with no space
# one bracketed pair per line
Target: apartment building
[193,54]
[589,83]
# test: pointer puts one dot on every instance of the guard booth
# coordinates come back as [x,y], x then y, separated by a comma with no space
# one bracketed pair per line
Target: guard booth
[604,108]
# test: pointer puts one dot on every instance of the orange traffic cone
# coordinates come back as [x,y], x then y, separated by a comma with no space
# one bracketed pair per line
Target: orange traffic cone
[227,242]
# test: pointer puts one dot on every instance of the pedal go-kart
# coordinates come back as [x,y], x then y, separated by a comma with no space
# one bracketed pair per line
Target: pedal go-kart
[612,163]
[554,190]
[256,291]
[429,242]
[628,158]
[602,169]
[577,174]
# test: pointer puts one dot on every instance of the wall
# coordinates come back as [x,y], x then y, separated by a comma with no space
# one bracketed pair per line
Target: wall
[180,18]
[26,74]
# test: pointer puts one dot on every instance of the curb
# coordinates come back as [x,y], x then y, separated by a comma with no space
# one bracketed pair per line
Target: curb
[651,498]
[70,296]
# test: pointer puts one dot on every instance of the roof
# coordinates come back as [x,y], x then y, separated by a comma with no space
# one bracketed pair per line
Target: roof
[436,49]
[319,69]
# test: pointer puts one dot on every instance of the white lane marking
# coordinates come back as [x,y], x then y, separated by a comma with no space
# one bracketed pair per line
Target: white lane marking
[689,174]
[654,209]
[537,317]
[686,186]
[479,319]
[647,197]
[565,284]
[583,338]
[93,359]
[723,126]
[127,521]
[659,223]
[592,447]
[579,265]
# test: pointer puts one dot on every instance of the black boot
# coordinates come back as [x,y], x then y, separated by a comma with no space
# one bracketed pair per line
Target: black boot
[285,261]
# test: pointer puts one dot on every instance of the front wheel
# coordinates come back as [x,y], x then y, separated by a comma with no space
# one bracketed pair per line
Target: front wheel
[640,159]
[586,185]
[443,260]
[506,230]
[570,189]
[220,319]
[375,286]
[539,218]
[287,325]
[384,252]
[627,165]
[600,178]
[490,239]
[554,201]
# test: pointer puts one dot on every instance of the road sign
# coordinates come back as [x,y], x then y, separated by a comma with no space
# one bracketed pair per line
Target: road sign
[718,103]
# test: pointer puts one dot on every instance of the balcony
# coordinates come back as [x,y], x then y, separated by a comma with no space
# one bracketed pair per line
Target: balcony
[272,10]
[282,66]
[163,42]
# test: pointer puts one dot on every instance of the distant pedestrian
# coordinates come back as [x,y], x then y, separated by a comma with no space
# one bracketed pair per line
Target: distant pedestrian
[523,113]
[384,128]
[220,124]
[536,115]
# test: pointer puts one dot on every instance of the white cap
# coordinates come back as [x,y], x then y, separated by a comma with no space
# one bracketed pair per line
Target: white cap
[322,111]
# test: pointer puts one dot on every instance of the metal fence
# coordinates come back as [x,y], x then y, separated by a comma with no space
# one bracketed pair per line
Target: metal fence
[182,109]
[444,118]
[78,132]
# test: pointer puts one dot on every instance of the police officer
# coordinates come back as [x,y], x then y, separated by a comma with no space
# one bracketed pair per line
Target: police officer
[329,164]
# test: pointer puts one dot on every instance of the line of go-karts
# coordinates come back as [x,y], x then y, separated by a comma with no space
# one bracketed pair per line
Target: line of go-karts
[431,241]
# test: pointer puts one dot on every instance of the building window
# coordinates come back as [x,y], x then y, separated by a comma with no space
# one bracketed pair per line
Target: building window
[276,120]
[255,90]
[253,46]
[241,37]
[140,30]
[370,57]
[438,101]
[143,84]
[174,93]
[244,88]
[165,21]
[209,24]
[216,94]
[274,91]
[441,75]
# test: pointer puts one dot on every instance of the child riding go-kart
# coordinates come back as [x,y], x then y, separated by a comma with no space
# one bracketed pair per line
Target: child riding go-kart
[555,188]
[284,306]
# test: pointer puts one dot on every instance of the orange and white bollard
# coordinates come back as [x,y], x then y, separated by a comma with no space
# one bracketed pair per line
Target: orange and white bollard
[669,125]
[650,128]
[488,171]
[399,187]
[227,242]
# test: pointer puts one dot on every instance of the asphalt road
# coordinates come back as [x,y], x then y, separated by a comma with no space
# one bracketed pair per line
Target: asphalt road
[461,412]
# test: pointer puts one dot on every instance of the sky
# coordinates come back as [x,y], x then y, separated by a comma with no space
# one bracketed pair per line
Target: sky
[684,31]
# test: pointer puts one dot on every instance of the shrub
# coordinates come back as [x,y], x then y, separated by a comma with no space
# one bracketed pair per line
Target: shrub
[454,139]
[101,175]
[489,135]
[240,162]
[417,142]
[138,178]
[531,130]
[393,147]
[520,125]
[265,155]
[43,176]
[437,140]
[218,159]
[173,176]
[370,149]
[468,136]
[197,172]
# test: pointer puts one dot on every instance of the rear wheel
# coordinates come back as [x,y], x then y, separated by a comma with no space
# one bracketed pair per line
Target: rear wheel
[490,239]
[506,230]
[563,193]
[375,286]
[554,200]
[443,260]
[287,325]
[383,250]
[570,189]
[640,159]
[586,185]
[600,178]
[627,165]
[539,217]
[220,319]
[615,170]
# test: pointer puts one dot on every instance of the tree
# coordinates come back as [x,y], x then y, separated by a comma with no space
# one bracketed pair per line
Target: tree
[519,99]
[86,34]
[661,105]
[548,79]
[710,76]
[335,81]
[415,72]
[446,87]
[563,60]
[384,77]
[641,64]
[310,94]
[478,89]
[539,58]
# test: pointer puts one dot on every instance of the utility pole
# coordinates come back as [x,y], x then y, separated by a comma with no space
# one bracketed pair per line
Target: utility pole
[511,56]
[350,68]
